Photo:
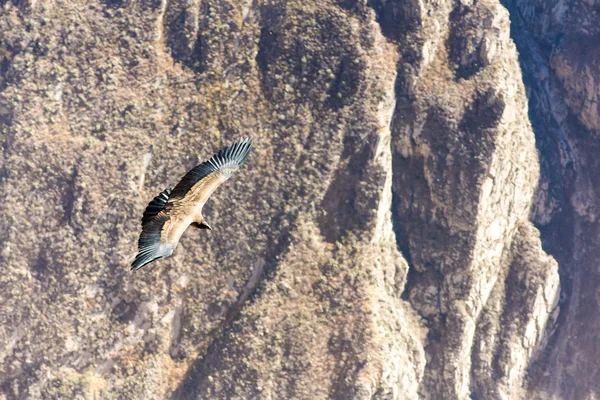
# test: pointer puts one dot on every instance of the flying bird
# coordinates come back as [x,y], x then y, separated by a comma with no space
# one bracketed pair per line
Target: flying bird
[170,213]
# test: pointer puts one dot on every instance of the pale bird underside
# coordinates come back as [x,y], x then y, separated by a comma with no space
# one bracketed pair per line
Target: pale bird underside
[170,213]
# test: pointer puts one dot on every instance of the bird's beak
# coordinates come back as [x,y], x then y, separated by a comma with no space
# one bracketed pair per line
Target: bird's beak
[204,225]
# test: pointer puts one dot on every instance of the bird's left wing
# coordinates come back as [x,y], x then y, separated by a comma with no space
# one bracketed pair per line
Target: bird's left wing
[200,182]
[150,246]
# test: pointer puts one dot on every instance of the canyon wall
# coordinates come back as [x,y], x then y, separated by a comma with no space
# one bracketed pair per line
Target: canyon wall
[416,221]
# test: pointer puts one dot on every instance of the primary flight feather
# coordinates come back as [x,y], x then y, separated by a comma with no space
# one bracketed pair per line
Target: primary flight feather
[170,213]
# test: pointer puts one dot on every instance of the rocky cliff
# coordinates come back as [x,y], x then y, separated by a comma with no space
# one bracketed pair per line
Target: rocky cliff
[383,241]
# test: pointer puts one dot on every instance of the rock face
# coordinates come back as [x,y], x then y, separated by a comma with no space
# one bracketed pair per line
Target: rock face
[381,243]
[559,48]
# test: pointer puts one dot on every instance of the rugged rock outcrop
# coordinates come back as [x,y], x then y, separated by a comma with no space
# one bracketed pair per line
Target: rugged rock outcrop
[381,242]
[558,43]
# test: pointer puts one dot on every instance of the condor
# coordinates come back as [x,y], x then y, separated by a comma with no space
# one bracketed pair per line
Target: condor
[170,213]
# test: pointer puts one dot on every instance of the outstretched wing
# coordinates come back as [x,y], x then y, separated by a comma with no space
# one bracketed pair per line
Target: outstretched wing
[201,181]
[150,247]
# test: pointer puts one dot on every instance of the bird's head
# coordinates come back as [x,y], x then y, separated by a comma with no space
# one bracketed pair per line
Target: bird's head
[202,225]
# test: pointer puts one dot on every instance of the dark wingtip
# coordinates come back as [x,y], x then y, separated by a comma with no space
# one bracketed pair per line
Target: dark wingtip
[238,152]
[242,149]
[139,262]
[245,141]
[148,252]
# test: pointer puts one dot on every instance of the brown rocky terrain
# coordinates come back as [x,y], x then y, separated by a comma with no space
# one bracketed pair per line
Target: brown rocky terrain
[417,219]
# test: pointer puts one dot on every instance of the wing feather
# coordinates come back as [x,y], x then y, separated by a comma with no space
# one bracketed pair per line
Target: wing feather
[155,206]
[225,162]
[150,247]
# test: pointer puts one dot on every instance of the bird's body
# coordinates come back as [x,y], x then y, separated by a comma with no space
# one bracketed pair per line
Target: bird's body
[170,213]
